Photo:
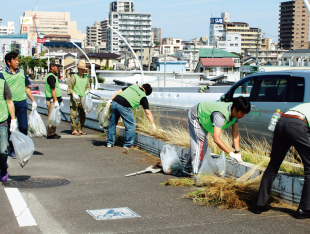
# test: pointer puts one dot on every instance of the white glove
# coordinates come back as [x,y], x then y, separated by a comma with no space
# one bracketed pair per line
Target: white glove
[13,125]
[56,104]
[34,105]
[236,157]
[75,96]
[109,102]
[86,92]
[154,127]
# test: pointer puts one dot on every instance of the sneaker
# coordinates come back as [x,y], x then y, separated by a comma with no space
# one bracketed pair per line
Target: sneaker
[131,147]
[4,178]
[13,155]
[109,146]
[55,136]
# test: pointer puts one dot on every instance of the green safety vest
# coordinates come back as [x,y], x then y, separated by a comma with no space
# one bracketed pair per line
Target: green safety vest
[80,85]
[303,109]
[4,113]
[133,94]
[17,86]
[205,110]
[48,90]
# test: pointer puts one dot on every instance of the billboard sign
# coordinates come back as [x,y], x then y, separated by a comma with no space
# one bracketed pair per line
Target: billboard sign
[26,20]
[250,69]
[25,29]
[216,21]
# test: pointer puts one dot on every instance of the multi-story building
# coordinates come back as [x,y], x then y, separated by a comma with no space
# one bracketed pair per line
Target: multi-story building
[49,23]
[93,36]
[103,32]
[6,30]
[134,27]
[157,34]
[171,45]
[294,25]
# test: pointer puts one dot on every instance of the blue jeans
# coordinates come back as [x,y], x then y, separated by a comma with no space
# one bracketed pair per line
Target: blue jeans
[117,111]
[3,149]
[21,115]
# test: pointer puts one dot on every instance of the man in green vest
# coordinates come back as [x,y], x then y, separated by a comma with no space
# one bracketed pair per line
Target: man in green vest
[122,103]
[53,96]
[292,129]
[78,87]
[214,117]
[6,107]
[18,83]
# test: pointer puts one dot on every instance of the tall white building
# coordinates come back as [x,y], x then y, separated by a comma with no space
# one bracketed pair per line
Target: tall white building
[93,36]
[221,39]
[9,29]
[134,27]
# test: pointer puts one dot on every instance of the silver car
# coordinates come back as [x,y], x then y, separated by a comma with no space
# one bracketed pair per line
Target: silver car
[268,92]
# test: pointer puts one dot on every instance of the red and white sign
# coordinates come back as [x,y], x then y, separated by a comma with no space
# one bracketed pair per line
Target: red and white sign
[25,28]
[41,40]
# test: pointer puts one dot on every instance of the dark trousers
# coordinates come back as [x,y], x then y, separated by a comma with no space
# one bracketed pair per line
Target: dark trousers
[21,115]
[3,149]
[288,132]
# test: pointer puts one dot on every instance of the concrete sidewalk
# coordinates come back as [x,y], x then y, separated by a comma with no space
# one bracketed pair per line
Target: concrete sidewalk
[97,181]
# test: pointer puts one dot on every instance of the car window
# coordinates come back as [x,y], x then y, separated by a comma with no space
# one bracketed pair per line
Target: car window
[271,90]
[244,89]
[297,89]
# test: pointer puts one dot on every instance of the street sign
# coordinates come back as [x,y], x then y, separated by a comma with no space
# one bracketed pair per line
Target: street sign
[250,69]
[41,40]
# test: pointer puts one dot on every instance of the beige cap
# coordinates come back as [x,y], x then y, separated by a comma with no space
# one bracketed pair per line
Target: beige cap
[82,65]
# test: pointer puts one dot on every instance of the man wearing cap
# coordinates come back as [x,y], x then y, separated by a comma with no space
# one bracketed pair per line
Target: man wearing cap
[292,129]
[78,87]
[53,96]
[18,83]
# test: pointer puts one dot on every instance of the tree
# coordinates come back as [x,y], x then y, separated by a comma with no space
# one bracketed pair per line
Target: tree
[156,42]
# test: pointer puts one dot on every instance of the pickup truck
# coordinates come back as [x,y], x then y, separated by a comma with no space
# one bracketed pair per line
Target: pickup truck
[268,92]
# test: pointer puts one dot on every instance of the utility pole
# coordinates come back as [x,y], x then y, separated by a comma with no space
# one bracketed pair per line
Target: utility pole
[165,70]
[213,46]
[126,55]
[141,49]
[150,58]
[194,54]
[257,46]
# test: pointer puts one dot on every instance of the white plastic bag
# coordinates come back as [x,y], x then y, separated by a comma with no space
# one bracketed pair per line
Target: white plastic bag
[55,117]
[104,117]
[23,146]
[170,161]
[213,164]
[36,127]
[87,103]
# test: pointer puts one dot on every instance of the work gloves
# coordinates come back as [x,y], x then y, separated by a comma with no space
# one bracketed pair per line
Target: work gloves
[109,102]
[56,104]
[236,157]
[86,92]
[13,125]
[76,97]
[34,105]
[154,127]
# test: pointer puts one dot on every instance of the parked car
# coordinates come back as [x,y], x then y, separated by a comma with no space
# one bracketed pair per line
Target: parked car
[34,89]
[267,92]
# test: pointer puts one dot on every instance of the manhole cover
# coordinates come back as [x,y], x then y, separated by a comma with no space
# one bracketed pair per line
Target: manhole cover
[36,183]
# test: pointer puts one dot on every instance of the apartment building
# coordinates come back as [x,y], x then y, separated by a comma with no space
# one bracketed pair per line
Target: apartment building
[171,45]
[104,27]
[157,34]
[293,25]
[49,23]
[93,36]
[134,27]
[8,29]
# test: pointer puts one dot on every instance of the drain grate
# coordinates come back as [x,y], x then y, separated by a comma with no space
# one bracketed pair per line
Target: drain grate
[36,182]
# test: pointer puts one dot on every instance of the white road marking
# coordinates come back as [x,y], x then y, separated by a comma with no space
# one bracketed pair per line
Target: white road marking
[20,208]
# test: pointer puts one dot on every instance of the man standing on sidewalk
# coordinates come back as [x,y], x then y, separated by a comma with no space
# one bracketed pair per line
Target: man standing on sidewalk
[53,96]
[214,117]
[6,107]
[123,101]
[78,87]
[18,83]
[292,129]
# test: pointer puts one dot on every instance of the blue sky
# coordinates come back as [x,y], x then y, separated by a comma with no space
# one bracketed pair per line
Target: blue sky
[184,19]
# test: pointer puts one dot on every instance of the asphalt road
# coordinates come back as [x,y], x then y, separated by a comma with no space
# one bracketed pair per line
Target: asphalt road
[97,181]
